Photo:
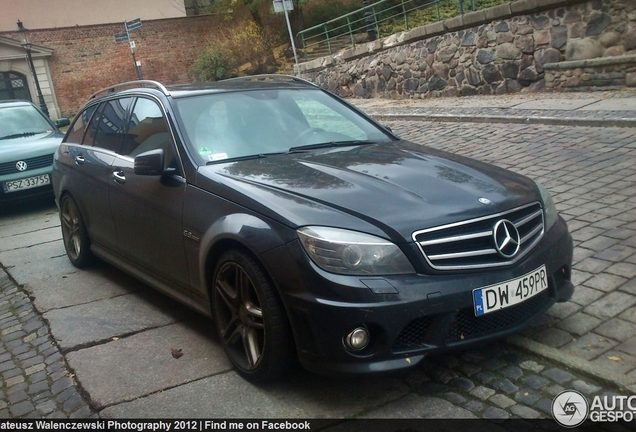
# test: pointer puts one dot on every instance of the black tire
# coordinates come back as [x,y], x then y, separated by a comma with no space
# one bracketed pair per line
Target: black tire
[74,234]
[250,318]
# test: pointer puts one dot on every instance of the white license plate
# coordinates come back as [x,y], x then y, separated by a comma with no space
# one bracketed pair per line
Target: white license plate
[509,293]
[26,183]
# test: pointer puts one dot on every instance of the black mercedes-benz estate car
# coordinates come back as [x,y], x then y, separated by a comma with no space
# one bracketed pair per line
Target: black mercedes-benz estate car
[306,230]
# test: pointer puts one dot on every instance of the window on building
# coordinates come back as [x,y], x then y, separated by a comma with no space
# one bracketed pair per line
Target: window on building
[14,85]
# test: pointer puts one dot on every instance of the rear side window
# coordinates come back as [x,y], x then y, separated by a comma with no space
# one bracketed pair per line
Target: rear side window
[77,131]
[109,131]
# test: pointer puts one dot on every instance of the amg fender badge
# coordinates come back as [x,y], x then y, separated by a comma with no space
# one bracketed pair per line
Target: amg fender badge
[188,234]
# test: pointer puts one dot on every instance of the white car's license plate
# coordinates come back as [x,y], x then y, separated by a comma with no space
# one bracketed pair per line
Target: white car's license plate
[26,183]
[509,293]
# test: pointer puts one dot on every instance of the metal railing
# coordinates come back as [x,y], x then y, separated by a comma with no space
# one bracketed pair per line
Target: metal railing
[360,26]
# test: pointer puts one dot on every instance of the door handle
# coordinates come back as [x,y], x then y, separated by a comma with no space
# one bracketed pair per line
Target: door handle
[79,160]
[119,177]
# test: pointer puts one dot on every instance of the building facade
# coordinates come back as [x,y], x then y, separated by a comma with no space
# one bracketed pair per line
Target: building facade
[74,20]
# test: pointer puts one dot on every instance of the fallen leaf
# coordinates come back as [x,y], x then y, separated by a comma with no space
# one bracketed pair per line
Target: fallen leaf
[176,353]
[614,358]
[115,338]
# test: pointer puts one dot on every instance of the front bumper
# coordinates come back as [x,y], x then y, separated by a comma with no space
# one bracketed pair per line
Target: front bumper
[408,316]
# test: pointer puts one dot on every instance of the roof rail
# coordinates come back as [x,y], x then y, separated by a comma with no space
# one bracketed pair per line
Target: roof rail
[138,83]
[272,77]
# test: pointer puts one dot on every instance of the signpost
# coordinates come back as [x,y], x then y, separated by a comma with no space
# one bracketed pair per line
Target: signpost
[125,37]
[133,25]
[284,6]
[121,37]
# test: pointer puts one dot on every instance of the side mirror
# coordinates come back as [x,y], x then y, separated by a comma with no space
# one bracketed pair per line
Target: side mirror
[61,122]
[150,163]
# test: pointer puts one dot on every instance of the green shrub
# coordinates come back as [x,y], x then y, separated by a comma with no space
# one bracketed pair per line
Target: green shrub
[212,65]
[330,9]
[231,50]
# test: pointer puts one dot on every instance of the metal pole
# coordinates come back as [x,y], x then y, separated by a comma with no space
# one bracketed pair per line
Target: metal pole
[43,107]
[291,38]
[132,51]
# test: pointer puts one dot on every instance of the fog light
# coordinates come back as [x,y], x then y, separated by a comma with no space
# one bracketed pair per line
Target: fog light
[358,339]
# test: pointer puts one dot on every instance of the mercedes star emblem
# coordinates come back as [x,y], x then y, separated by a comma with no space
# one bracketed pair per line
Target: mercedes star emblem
[507,239]
[484,201]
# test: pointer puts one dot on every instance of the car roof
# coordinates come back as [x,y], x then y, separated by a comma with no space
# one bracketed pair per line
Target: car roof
[14,102]
[254,82]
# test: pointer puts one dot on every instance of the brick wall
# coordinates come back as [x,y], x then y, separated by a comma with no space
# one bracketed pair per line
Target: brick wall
[87,58]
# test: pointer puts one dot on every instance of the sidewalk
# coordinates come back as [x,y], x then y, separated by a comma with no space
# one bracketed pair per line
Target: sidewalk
[603,109]
[596,248]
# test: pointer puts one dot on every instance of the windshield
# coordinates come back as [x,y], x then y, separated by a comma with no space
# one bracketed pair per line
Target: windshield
[230,125]
[19,121]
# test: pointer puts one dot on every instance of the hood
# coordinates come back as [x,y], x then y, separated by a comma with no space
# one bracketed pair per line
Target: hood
[397,187]
[27,147]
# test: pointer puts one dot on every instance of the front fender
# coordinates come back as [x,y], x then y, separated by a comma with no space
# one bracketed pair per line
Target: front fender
[239,230]
[216,225]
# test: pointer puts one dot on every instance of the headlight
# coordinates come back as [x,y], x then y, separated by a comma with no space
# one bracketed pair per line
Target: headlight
[353,253]
[549,210]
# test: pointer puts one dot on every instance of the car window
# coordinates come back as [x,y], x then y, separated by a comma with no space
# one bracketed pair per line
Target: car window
[23,119]
[78,129]
[148,130]
[320,116]
[110,127]
[227,125]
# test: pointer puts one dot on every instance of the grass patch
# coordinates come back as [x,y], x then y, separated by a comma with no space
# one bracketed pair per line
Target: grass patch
[443,10]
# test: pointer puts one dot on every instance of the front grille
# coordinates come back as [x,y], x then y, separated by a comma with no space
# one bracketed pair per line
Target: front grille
[467,326]
[32,164]
[471,244]
[463,325]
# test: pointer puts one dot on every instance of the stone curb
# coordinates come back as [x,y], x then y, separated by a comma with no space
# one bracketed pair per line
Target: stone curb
[572,362]
[556,121]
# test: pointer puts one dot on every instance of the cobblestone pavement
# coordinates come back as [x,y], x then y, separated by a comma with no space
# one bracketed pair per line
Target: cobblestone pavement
[35,379]
[493,382]
[587,344]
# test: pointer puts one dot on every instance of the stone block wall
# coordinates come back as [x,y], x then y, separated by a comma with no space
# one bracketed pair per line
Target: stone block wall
[585,75]
[507,48]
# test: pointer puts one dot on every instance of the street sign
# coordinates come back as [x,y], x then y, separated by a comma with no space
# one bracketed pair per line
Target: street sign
[279,7]
[121,37]
[134,24]
[287,6]
[132,45]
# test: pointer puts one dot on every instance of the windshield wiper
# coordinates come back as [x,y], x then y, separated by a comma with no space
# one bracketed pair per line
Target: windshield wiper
[327,145]
[19,135]
[291,150]
[241,158]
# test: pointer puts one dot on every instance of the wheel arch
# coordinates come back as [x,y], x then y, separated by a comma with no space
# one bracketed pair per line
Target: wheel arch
[248,233]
